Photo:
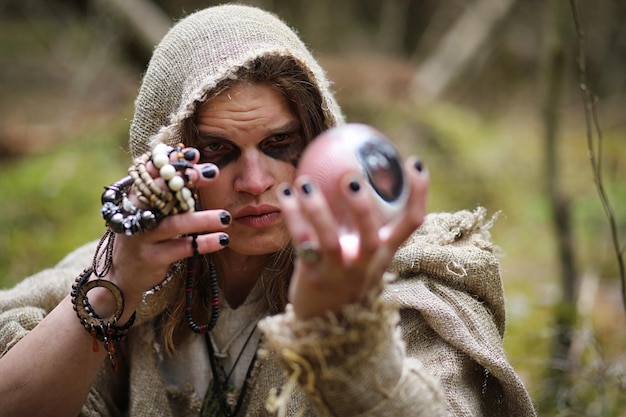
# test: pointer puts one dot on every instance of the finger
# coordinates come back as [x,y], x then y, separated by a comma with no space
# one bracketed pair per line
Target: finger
[199,222]
[183,247]
[168,172]
[366,218]
[197,175]
[184,161]
[162,154]
[202,174]
[413,214]
[212,242]
[362,214]
[166,155]
[190,154]
[317,213]
[300,229]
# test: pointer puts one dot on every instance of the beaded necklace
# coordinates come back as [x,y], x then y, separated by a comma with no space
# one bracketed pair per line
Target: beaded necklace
[215,297]
[215,402]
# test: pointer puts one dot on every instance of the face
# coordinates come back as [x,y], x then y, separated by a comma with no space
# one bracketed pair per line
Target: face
[253,136]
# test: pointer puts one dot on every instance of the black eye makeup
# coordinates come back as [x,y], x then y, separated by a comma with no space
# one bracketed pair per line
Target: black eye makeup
[218,151]
[284,145]
[287,147]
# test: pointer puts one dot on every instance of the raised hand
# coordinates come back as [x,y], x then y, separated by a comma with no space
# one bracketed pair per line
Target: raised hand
[140,259]
[335,269]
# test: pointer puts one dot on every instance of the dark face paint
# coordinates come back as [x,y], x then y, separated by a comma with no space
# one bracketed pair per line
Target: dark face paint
[286,147]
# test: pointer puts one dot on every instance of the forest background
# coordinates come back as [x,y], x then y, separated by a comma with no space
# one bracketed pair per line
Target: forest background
[487,92]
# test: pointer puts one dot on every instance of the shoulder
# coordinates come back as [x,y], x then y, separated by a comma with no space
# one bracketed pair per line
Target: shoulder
[446,237]
[450,253]
[461,227]
[48,287]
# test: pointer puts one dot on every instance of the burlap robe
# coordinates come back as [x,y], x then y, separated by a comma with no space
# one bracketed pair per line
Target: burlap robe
[445,356]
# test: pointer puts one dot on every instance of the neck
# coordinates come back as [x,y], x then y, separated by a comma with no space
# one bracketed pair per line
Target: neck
[237,274]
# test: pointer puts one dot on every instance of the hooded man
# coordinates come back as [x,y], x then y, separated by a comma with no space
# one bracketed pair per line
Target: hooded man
[409,325]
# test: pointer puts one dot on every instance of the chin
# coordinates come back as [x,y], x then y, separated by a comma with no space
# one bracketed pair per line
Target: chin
[262,245]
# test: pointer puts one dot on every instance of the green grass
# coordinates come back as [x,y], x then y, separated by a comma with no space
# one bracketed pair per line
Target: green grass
[51,202]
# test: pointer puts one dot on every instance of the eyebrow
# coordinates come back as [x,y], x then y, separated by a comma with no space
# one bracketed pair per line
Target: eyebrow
[290,126]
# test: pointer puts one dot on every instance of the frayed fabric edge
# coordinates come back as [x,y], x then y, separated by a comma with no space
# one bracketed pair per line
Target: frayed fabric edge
[304,346]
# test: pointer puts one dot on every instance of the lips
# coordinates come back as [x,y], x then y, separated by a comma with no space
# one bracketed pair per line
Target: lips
[257,216]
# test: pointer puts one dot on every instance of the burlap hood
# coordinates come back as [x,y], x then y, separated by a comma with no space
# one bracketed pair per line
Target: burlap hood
[203,49]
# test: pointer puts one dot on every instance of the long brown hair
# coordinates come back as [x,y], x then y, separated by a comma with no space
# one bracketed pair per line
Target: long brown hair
[294,81]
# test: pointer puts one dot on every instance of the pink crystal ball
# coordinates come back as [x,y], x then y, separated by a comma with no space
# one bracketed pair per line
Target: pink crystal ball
[361,150]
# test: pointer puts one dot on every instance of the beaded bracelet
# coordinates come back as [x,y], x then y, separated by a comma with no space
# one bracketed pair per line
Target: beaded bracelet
[121,216]
[180,186]
[147,190]
[102,329]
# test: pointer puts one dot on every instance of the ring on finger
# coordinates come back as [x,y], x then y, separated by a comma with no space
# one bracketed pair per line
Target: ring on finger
[308,252]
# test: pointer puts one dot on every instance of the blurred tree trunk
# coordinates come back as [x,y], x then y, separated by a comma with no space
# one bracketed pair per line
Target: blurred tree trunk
[468,36]
[393,18]
[144,19]
[557,383]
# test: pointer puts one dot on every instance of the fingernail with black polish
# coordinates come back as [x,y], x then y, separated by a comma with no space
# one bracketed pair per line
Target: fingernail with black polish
[287,192]
[190,154]
[354,186]
[307,188]
[224,240]
[419,167]
[225,217]
[209,171]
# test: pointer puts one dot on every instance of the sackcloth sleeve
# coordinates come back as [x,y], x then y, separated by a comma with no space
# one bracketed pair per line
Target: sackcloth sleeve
[451,301]
[23,306]
[430,345]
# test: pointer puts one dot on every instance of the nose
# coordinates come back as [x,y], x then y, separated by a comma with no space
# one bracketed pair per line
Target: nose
[254,176]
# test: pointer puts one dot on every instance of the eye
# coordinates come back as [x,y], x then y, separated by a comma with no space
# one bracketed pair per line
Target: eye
[284,146]
[218,152]
[213,148]
[282,141]
[281,137]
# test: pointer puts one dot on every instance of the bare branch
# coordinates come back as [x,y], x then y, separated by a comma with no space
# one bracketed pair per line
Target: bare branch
[594,146]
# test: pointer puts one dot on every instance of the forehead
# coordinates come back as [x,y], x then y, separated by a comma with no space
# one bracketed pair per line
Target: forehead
[245,110]
[245,96]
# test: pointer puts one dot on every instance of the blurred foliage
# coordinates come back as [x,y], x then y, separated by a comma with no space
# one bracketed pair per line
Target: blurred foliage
[51,201]
[68,75]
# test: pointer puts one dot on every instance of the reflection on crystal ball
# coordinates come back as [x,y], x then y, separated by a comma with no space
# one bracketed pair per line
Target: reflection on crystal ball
[356,149]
